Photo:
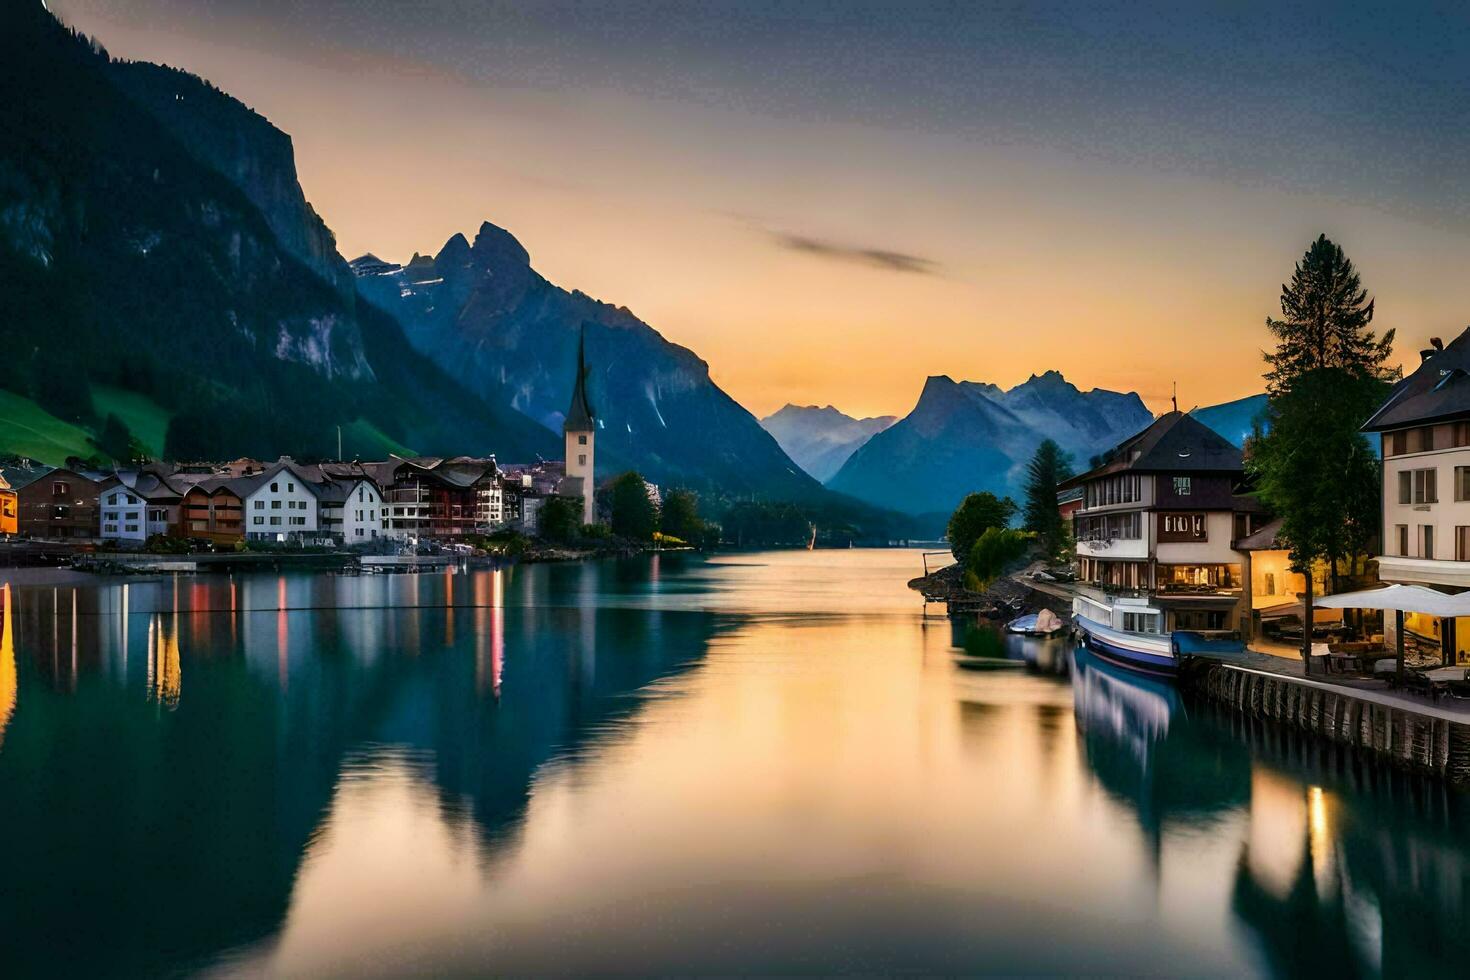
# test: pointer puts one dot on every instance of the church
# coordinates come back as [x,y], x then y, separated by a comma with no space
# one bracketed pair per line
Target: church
[579,430]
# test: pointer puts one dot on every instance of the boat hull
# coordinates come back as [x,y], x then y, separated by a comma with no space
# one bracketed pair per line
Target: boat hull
[1150,654]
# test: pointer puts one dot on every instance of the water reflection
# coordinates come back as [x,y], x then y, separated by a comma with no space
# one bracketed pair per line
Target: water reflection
[652,767]
[177,835]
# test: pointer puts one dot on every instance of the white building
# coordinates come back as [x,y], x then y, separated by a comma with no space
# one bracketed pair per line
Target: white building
[1425,430]
[283,505]
[351,510]
[124,513]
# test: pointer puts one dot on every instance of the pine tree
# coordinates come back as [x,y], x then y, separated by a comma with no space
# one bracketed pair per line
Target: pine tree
[1312,467]
[1049,467]
[1325,313]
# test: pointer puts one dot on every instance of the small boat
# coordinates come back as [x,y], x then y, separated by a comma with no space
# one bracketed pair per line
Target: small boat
[1044,623]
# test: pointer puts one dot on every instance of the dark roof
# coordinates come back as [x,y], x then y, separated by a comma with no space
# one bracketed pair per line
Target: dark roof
[1438,389]
[580,415]
[1262,540]
[19,477]
[1175,442]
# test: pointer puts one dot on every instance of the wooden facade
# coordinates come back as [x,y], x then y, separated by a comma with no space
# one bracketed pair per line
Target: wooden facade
[212,513]
[61,504]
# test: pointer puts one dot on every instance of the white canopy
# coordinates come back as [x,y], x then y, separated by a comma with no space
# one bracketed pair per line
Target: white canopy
[1401,598]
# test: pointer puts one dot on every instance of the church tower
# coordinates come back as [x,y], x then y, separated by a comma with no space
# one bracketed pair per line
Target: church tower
[579,430]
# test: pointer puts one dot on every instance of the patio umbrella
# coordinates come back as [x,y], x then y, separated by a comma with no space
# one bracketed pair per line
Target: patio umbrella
[1401,599]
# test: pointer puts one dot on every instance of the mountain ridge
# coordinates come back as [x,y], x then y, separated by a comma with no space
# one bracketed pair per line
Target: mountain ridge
[820,439]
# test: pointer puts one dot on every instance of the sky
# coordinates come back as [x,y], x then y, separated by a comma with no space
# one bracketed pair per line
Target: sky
[829,202]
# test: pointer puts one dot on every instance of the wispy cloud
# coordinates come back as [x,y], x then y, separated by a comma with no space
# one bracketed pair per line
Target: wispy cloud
[876,258]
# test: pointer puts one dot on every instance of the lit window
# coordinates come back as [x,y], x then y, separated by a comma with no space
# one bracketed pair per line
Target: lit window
[1181,486]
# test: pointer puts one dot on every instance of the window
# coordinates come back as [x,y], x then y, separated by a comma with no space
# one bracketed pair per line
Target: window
[1426,438]
[1462,482]
[1181,486]
[61,489]
[1183,527]
[275,505]
[1140,622]
[581,440]
[112,499]
[1462,544]
[359,494]
[260,505]
[1398,443]
[1426,540]
[298,521]
[276,521]
[1462,434]
[582,459]
[1403,536]
[275,488]
[1425,489]
[291,488]
[259,519]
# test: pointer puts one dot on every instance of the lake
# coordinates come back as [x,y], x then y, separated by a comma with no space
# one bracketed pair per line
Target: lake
[751,763]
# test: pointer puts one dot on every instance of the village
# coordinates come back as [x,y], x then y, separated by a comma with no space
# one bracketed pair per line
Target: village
[378,506]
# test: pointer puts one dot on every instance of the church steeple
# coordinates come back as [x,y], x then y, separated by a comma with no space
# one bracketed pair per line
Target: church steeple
[579,432]
[580,417]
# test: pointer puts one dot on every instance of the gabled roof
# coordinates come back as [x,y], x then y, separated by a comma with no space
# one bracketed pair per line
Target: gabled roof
[1175,442]
[1438,389]
[1262,540]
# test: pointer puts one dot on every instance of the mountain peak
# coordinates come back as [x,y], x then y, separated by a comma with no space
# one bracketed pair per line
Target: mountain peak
[495,245]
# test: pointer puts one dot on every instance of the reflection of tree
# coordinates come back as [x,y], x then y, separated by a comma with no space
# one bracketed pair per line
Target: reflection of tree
[1166,772]
[173,836]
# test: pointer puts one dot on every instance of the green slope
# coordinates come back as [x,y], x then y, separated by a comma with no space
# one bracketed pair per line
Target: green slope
[145,418]
[27,429]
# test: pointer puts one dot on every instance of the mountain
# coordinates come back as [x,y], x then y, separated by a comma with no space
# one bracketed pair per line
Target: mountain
[481,311]
[1233,420]
[154,241]
[820,440]
[965,436]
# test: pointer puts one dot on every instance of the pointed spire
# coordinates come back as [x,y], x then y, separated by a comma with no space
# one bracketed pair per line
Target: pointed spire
[580,417]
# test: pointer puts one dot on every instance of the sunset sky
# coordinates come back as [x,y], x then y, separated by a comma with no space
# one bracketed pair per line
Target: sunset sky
[829,202]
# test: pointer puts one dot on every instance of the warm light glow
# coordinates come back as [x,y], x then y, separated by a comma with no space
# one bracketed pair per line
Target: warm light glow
[9,691]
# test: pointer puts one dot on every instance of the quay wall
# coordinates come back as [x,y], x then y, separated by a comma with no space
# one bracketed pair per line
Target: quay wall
[1391,735]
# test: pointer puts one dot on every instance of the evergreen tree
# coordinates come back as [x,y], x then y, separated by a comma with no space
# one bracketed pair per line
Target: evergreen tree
[1313,468]
[977,513]
[560,519]
[115,440]
[634,514]
[1049,467]
[680,516]
[1325,313]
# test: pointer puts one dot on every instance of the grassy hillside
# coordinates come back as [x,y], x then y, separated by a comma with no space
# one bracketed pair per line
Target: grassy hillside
[145,418]
[27,429]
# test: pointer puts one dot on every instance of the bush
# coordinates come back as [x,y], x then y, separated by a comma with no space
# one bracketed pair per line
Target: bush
[976,514]
[989,558]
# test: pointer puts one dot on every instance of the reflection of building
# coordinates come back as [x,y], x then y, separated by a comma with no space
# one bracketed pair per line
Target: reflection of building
[579,430]
[1425,430]
[9,690]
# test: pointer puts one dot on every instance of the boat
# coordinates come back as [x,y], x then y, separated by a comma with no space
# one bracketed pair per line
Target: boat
[1042,624]
[968,662]
[1148,653]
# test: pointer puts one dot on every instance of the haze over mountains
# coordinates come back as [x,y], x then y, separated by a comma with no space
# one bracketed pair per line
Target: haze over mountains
[965,436]
[820,440]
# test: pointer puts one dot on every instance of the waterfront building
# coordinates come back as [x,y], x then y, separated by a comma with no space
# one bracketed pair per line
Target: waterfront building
[281,504]
[579,430]
[1156,533]
[429,497]
[212,509]
[9,508]
[350,510]
[55,503]
[135,505]
[1424,432]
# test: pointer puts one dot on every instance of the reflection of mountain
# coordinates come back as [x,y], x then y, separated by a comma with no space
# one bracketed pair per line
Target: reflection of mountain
[1168,772]
[175,835]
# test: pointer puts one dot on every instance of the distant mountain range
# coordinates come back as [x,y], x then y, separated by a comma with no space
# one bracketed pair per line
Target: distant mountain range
[820,440]
[965,436]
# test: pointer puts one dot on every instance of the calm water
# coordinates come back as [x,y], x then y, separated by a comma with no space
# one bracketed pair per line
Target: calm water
[757,763]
